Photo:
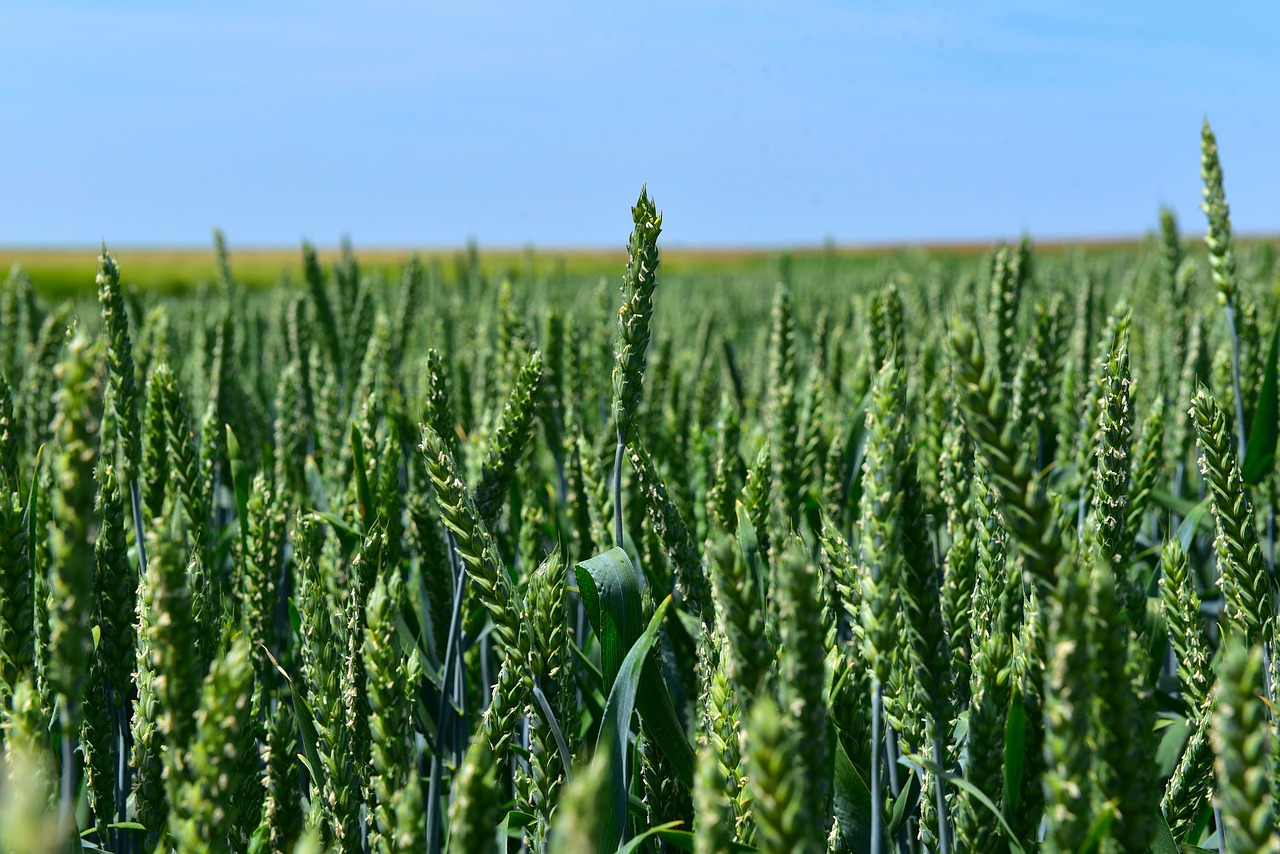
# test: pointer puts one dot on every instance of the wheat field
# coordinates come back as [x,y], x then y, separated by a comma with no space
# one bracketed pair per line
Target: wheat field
[926,552]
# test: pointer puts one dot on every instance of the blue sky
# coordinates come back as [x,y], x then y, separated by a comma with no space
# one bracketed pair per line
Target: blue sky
[425,123]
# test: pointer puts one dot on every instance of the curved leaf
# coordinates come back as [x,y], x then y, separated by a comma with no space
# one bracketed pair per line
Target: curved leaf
[1260,450]
[615,729]
[610,591]
[682,840]
[977,794]
[363,495]
[611,587]
[1015,753]
[634,845]
[851,802]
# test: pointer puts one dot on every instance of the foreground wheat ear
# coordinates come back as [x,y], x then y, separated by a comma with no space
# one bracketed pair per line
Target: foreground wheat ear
[913,553]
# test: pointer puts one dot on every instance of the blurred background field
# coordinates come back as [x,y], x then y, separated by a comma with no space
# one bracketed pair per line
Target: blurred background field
[68,271]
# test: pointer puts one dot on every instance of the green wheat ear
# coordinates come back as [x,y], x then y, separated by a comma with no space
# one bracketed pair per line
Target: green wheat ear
[1148,465]
[638,285]
[1171,249]
[783,409]
[439,414]
[997,611]
[756,497]
[1189,787]
[1123,718]
[582,807]
[73,530]
[510,439]
[1069,692]
[721,724]
[959,570]
[1187,634]
[803,679]
[333,804]
[930,655]
[880,554]
[97,744]
[1246,585]
[777,793]
[1033,389]
[392,747]
[471,540]
[115,589]
[1222,255]
[713,824]
[8,435]
[1028,511]
[546,600]
[120,365]
[1115,426]
[1006,294]
[172,633]
[27,822]
[203,815]
[282,806]
[1241,740]
[16,606]
[1222,261]
[674,532]
[746,659]
[728,474]
[156,464]
[477,802]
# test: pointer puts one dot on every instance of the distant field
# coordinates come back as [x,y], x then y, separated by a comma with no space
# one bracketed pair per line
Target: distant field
[64,271]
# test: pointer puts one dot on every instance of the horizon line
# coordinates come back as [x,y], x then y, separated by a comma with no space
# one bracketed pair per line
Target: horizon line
[936,244]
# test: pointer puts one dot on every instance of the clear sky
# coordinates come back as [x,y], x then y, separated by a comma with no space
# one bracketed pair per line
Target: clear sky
[426,123]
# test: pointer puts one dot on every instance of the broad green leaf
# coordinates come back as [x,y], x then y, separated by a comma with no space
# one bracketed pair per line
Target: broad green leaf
[316,489]
[515,820]
[115,825]
[634,844]
[363,495]
[683,841]
[610,587]
[851,802]
[1260,450]
[610,590]
[295,619]
[1098,830]
[1199,517]
[1015,753]
[1164,842]
[587,679]
[749,542]
[855,448]
[1184,507]
[1172,743]
[616,728]
[903,805]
